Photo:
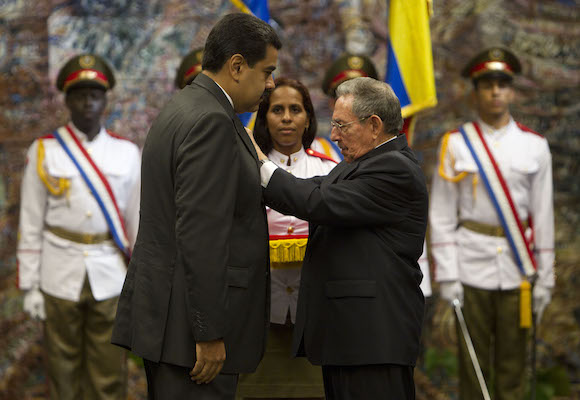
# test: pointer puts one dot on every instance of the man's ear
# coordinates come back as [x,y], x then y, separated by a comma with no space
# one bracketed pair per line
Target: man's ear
[376,125]
[236,64]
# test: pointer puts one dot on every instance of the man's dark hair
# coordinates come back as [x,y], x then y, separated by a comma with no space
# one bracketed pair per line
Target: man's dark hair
[238,34]
[261,132]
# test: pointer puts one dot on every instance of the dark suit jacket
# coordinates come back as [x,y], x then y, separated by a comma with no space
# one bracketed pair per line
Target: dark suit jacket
[199,270]
[360,301]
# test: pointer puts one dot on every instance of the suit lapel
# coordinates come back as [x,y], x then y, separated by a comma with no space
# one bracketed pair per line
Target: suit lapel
[207,83]
[339,172]
[335,172]
[347,170]
[244,136]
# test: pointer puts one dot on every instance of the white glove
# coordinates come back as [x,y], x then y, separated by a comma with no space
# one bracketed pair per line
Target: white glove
[451,290]
[542,296]
[34,304]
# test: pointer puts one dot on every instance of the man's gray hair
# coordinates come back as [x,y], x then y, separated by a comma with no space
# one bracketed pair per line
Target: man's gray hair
[373,97]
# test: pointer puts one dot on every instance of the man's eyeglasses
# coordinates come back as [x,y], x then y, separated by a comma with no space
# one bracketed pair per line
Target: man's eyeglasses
[340,126]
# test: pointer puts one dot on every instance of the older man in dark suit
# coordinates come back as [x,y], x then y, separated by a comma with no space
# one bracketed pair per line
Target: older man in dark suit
[360,307]
[195,301]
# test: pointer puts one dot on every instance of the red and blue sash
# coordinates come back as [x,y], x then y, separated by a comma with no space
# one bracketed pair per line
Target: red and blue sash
[97,183]
[500,196]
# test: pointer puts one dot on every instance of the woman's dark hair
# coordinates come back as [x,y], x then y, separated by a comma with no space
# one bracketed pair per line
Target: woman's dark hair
[261,133]
[238,33]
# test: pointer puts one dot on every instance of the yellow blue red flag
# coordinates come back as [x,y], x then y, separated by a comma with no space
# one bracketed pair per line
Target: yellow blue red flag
[259,8]
[410,60]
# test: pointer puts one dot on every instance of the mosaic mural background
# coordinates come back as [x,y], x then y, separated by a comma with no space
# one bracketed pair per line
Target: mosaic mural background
[144,41]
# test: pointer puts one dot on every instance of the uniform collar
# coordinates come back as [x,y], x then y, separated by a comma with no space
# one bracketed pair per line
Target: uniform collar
[82,136]
[490,130]
[281,160]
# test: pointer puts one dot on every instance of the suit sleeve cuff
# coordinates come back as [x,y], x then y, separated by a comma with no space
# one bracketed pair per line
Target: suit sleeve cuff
[266,171]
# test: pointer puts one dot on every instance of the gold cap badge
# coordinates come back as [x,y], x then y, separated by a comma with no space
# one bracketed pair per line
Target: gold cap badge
[87,61]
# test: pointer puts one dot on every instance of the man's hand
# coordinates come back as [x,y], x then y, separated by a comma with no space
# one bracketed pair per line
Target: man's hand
[210,357]
[34,304]
[451,290]
[261,155]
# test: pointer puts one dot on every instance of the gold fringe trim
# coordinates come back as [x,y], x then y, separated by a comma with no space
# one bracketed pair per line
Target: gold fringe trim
[56,186]
[286,265]
[474,186]
[287,250]
[444,145]
[525,304]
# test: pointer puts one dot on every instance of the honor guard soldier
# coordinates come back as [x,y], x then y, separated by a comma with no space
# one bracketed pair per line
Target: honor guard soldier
[78,220]
[494,179]
[189,68]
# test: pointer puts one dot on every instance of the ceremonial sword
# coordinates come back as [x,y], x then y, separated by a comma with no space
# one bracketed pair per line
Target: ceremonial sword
[470,348]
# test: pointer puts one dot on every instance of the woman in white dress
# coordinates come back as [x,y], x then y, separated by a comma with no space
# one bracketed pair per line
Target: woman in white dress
[285,128]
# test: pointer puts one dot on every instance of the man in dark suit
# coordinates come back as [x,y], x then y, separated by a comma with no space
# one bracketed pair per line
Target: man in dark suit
[195,300]
[360,307]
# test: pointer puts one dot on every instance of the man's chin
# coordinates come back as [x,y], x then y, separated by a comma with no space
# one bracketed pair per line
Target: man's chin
[248,109]
[254,108]
[497,111]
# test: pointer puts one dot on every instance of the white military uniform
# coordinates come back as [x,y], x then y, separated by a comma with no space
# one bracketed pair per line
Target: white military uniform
[59,266]
[458,194]
[285,277]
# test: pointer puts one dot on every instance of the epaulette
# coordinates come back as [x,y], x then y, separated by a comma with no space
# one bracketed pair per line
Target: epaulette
[56,186]
[313,153]
[116,136]
[526,129]
[442,155]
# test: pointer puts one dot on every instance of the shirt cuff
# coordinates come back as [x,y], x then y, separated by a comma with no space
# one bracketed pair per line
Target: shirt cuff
[266,171]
